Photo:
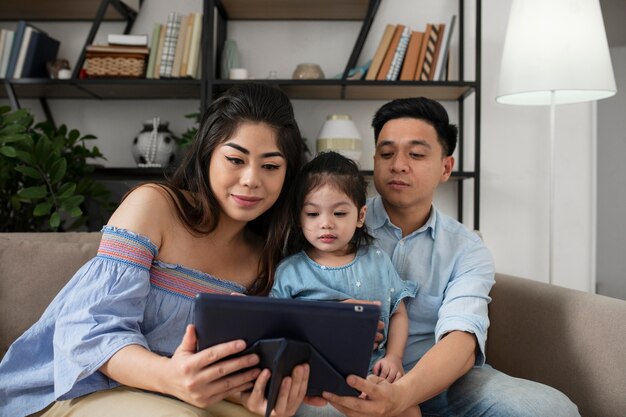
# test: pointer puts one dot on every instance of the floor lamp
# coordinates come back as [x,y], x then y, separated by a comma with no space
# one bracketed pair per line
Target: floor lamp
[555,52]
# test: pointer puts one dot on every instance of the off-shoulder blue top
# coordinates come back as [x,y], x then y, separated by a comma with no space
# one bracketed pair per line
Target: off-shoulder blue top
[121,297]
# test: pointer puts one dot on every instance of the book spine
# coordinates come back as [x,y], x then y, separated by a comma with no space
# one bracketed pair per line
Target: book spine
[431,49]
[396,63]
[15,47]
[154,50]
[6,52]
[169,45]
[380,53]
[194,48]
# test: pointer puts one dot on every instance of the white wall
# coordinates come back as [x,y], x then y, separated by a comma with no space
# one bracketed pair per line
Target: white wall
[514,191]
[611,262]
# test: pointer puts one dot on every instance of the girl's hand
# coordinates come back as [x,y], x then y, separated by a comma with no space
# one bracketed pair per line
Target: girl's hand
[291,394]
[389,368]
[200,379]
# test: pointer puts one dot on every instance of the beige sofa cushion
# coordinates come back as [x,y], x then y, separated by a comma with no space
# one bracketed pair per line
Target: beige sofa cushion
[33,268]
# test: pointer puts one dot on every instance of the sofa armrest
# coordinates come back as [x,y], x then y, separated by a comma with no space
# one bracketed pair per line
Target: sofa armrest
[568,339]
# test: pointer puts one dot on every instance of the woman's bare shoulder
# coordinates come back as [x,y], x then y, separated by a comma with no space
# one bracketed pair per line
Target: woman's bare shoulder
[148,210]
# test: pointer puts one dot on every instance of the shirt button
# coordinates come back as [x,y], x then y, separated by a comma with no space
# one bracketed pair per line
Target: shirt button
[402,243]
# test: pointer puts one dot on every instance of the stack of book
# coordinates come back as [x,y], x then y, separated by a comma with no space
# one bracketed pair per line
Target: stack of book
[175,47]
[407,55]
[25,51]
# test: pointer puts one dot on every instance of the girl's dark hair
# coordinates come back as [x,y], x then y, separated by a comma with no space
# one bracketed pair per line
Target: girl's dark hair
[200,212]
[334,169]
[422,108]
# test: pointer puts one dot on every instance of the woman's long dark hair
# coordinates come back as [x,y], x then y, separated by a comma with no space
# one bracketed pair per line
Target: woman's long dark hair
[200,211]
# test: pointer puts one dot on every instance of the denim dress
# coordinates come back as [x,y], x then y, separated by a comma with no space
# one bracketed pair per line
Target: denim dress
[123,296]
[370,276]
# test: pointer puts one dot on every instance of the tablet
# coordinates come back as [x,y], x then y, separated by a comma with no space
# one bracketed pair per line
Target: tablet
[336,339]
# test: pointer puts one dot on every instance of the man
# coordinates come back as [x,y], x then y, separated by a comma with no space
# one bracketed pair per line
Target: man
[444,359]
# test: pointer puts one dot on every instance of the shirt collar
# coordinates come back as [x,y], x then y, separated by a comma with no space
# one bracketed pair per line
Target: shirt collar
[380,218]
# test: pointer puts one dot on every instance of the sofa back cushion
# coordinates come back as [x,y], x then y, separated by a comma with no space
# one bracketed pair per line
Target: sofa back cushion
[33,269]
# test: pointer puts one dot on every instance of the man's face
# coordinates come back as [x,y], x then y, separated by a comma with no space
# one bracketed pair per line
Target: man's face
[409,164]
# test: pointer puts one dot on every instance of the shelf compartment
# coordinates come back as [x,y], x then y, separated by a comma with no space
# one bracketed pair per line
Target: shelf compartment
[57,10]
[295,9]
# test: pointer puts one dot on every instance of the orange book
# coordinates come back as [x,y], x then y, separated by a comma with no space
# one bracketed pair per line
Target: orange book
[440,31]
[379,55]
[412,56]
[422,54]
[391,51]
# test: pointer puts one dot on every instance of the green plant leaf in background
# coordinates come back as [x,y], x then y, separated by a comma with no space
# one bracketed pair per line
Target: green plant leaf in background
[45,177]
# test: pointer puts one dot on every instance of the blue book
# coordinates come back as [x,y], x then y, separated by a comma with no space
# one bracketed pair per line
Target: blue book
[41,49]
[17,46]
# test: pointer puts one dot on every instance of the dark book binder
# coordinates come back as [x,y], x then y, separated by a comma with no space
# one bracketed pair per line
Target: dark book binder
[41,49]
[335,339]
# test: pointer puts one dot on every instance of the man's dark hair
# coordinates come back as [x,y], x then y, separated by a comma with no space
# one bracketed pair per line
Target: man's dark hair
[422,108]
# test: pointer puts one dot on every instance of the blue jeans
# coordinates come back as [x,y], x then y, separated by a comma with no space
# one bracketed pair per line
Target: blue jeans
[485,392]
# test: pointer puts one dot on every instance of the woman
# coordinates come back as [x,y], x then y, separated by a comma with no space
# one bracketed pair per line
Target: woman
[114,338]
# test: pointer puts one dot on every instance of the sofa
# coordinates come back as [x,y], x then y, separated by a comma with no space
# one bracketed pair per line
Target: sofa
[571,340]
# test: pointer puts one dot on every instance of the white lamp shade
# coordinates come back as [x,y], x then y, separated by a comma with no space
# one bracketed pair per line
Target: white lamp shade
[555,46]
[339,133]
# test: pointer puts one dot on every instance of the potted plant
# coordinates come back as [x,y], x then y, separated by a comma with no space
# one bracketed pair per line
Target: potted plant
[45,178]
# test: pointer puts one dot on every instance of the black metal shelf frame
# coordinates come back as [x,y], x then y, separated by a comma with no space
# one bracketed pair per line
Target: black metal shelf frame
[210,85]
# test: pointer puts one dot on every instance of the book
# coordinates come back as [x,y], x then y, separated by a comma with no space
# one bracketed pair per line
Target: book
[169,45]
[130,40]
[412,56]
[184,62]
[19,63]
[391,51]
[41,49]
[154,47]
[194,47]
[441,28]
[440,69]
[180,46]
[159,53]
[115,49]
[422,54]
[7,42]
[398,58]
[379,55]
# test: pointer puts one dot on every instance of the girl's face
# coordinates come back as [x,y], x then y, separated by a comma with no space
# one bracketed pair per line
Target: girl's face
[328,221]
[247,172]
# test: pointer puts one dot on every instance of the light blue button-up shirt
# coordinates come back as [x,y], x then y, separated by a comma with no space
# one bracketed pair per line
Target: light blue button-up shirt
[453,269]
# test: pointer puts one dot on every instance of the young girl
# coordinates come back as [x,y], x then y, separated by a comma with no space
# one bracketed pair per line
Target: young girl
[111,339]
[333,259]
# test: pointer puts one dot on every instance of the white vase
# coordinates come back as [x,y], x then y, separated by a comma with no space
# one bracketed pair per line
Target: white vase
[154,146]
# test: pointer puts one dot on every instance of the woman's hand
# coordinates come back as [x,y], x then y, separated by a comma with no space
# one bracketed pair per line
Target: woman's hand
[291,394]
[379,398]
[201,379]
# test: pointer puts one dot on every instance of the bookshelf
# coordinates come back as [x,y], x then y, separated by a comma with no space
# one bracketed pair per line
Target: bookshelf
[216,15]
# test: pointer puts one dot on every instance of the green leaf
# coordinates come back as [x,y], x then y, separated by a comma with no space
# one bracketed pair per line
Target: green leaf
[57,172]
[89,137]
[12,133]
[55,220]
[73,135]
[25,157]
[75,212]
[21,116]
[29,172]
[8,151]
[73,201]
[66,190]
[33,193]
[42,209]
